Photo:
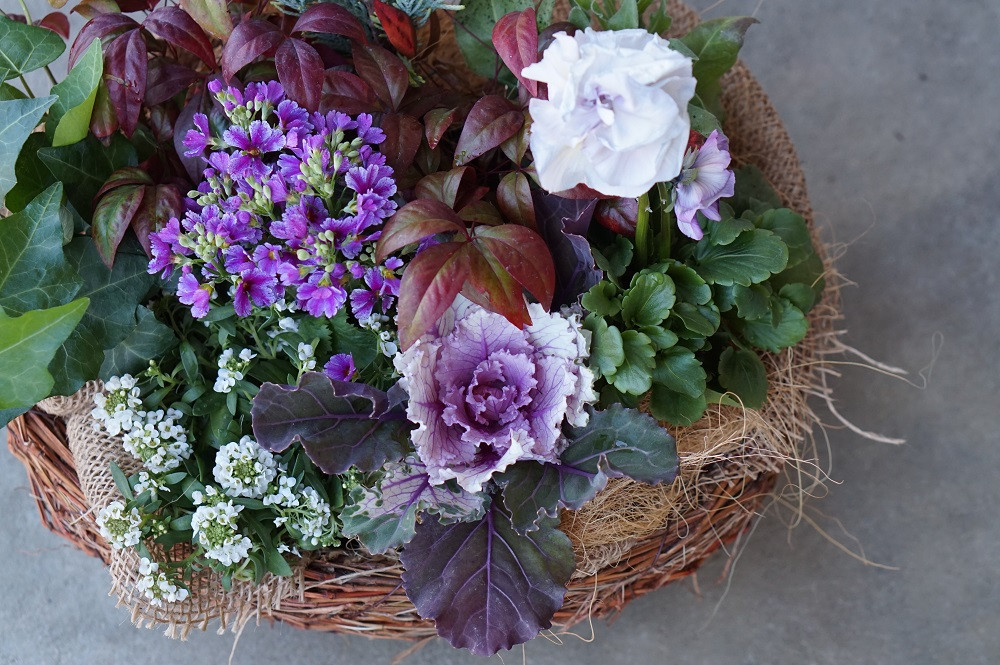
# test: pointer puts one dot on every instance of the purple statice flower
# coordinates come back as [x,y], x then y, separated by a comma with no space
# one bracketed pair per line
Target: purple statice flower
[270,92]
[323,295]
[340,367]
[256,286]
[197,140]
[164,245]
[251,144]
[293,120]
[367,132]
[375,188]
[298,219]
[486,394]
[191,292]
[380,284]
[704,180]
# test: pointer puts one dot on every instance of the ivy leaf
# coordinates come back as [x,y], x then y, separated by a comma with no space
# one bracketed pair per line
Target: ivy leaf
[789,330]
[675,407]
[491,121]
[25,48]
[649,300]
[742,372]
[515,37]
[751,258]
[149,339]
[474,31]
[339,424]
[384,517]
[486,586]
[626,18]
[69,117]
[616,442]
[31,174]
[702,121]
[607,350]
[18,118]
[34,273]
[679,370]
[635,375]
[87,164]
[716,44]
[27,344]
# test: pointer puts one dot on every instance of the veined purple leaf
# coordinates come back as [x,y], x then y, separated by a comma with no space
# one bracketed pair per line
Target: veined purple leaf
[112,217]
[166,79]
[437,122]
[616,442]
[564,223]
[347,93]
[486,586]
[383,71]
[176,27]
[385,516]
[250,40]
[402,140]
[160,203]
[125,68]
[339,424]
[415,221]
[429,285]
[212,15]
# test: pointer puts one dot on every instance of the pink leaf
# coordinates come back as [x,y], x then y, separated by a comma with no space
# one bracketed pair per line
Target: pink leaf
[430,283]
[491,121]
[515,37]
[300,70]
[415,221]
[525,256]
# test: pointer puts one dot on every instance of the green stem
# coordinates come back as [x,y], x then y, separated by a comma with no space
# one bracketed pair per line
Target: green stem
[27,88]
[666,221]
[27,14]
[642,231]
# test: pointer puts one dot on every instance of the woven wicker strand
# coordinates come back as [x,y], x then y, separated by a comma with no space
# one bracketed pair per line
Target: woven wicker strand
[631,540]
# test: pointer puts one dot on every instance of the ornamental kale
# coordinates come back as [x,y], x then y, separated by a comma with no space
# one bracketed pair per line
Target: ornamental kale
[287,213]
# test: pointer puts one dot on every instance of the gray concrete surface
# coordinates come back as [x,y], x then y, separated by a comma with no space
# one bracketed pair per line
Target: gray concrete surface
[893,107]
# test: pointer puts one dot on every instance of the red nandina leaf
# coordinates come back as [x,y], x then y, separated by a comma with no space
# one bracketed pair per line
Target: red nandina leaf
[125,68]
[101,26]
[250,40]
[514,199]
[212,15]
[89,9]
[491,287]
[57,22]
[448,187]
[112,217]
[332,19]
[161,123]
[437,122]
[525,256]
[517,146]
[165,79]
[413,222]
[515,37]
[383,71]
[618,215]
[176,27]
[491,121]
[103,121]
[402,140]
[581,193]
[159,204]
[127,6]
[481,212]
[300,70]
[398,28]
[348,93]
[130,175]
[430,283]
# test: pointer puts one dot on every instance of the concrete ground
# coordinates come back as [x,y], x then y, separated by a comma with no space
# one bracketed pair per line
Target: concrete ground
[893,107]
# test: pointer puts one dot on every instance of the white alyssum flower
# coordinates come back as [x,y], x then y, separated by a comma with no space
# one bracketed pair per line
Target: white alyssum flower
[282,493]
[311,521]
[285,325]
[156,586]
[121,529]
[158,440]
[147,481]
[117,406]
[232,367]
[616,117]
[215,528]
[245,469]
[307,357]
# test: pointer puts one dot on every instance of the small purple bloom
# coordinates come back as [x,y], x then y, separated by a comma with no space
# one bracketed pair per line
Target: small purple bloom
[323,295]
[191,292]
[340,367]
[703,183]
[257,286]
[367,132]
[197,139]
[260,139]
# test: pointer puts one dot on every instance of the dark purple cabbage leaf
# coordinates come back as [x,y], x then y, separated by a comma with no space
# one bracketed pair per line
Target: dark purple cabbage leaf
[616,442]
[339,424]
[486,586]
[563,224]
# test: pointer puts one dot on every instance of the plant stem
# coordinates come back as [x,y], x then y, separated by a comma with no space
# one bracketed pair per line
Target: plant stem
[642,231]
[27,88]
[666,221]
[27,14]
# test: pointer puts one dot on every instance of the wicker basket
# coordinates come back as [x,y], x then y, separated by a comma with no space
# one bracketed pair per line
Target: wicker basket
[350,592]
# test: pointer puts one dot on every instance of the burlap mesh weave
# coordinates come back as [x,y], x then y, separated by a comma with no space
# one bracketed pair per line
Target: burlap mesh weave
[620,537]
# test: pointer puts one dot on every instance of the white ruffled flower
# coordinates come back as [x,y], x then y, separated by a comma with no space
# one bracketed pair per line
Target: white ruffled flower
[245,469]
[156,586]
[232,368]
[215,528]
[307,357]
[119,528]
[157,440]
[117,406]
[616,117]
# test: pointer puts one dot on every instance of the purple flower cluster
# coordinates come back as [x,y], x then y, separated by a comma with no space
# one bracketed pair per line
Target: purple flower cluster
[287,213]
[705,180]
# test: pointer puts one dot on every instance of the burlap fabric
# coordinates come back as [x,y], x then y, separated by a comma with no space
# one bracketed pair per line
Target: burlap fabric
[631,539]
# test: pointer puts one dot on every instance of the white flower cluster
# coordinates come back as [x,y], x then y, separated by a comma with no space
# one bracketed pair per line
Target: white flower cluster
[245,469]
[285,325]
[116,407]
[307,357]
[156,439]
[148,482]
[388,341]
[119,528]
[156,586]
[215,528]
[231,369]
[303,512]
